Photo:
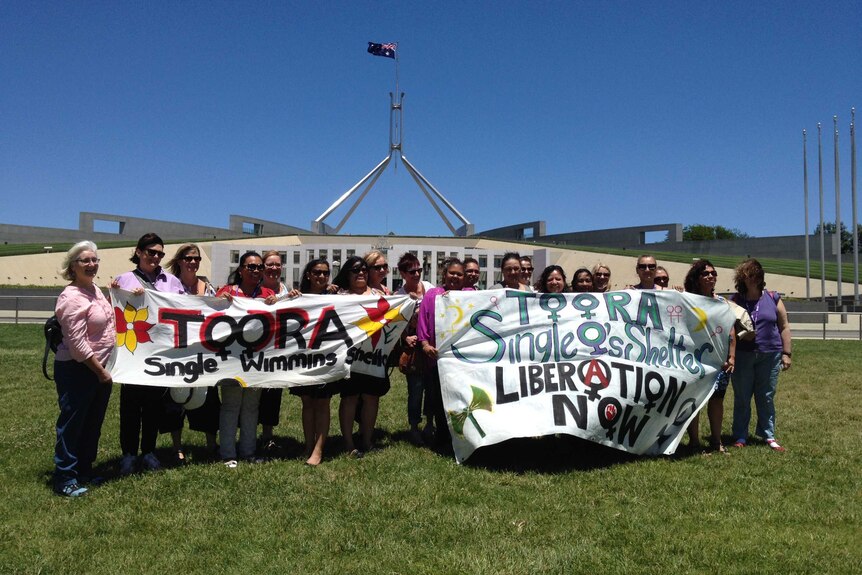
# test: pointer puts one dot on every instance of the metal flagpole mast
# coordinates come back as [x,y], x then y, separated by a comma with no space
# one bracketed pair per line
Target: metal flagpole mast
[855,216]
[822,231]
[837,206]
[805,187]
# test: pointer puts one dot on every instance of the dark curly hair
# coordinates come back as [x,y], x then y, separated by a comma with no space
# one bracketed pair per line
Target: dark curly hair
[750,268]
[692,278]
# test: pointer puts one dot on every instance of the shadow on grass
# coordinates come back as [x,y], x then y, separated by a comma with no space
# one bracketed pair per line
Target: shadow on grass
[551,454]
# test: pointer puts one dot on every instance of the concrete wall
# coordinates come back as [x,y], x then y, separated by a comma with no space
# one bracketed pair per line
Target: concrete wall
[519,232]
[631,237]
[130,228]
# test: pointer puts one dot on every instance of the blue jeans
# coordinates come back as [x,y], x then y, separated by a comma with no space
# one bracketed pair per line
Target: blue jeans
[415,391]
[755,374]
[83,401]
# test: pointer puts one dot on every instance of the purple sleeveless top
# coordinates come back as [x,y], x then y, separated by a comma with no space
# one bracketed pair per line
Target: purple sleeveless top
[764,314]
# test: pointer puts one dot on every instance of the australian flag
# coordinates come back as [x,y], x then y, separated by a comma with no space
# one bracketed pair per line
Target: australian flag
[385,50]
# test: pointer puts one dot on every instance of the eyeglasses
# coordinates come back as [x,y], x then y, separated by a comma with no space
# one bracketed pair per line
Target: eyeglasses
[273,265]
[86,261]
[646,266]
[601,275]
[413,272]
[254,267]
[706,274]
[358,270]
[381,268]
[319,273]
[154,253]
[191,259]
[661,281]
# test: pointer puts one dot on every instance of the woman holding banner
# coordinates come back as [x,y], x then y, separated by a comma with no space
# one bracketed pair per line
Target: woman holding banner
[552,280]
[410,269]
[453,279]
[270,397]
[315,398]
[83,384]
[239,405]
[353,280]
[760,361]
[701,279]
[185,265]
[141,406]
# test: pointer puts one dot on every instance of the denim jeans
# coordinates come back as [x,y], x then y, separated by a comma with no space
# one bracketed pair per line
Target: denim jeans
[141,408]
[239,406]
[83,401]
[415,391]
[755,374]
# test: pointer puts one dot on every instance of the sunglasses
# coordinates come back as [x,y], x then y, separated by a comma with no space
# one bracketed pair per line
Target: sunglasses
[319,273]
[380,268]
[358,270]
[190,259]
[254,267]
[527,270]
[413,272]
[705,274]
[662,280]
[646,266]
[154,253]
[86,261]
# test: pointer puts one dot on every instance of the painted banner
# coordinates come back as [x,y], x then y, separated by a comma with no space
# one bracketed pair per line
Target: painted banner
[625,369]
[178,340]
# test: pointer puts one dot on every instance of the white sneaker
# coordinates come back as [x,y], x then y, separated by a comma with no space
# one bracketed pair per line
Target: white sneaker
[150,462]
[127,464]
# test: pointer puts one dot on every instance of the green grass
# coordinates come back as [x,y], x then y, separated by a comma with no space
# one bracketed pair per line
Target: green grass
[779,266]
[554,505]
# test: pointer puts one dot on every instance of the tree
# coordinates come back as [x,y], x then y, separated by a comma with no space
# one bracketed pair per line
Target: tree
[846,236]
[701,232]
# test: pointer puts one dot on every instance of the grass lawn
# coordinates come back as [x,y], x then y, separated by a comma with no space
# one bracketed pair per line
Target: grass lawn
[553,505]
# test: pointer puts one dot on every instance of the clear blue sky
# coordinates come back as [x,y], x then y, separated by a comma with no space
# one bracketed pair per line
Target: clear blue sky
[584,114]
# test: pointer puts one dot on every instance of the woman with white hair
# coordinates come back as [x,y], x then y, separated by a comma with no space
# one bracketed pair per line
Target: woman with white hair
[83,382]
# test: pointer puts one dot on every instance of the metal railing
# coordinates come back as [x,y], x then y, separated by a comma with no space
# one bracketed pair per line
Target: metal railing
[26,308]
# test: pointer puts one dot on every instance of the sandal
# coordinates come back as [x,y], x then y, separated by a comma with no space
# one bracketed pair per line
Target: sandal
[774,446]
[718,447]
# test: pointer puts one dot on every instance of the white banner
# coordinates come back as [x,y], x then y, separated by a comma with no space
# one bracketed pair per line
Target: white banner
[177,340]
[625,369]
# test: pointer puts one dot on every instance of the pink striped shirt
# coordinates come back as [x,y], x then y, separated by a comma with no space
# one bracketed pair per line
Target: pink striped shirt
[87,320]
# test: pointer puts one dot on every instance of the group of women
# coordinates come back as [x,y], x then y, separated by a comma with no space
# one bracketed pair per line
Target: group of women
[89,336]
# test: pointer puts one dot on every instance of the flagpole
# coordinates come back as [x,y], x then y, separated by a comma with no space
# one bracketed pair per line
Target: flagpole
[822,231]
[837,206]
[805,187]
[855,217]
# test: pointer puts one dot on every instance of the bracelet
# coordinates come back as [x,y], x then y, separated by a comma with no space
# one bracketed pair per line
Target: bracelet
[787,353]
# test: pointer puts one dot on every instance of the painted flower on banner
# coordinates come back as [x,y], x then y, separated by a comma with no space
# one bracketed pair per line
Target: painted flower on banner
[377,318]
[132,327]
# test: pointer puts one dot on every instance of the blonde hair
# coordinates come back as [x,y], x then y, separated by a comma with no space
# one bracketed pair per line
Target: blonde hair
[173,266]
[65,270]
[372,257]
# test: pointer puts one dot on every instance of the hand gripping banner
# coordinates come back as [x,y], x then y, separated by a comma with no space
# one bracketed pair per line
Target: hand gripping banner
[178,340]
[625,369]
